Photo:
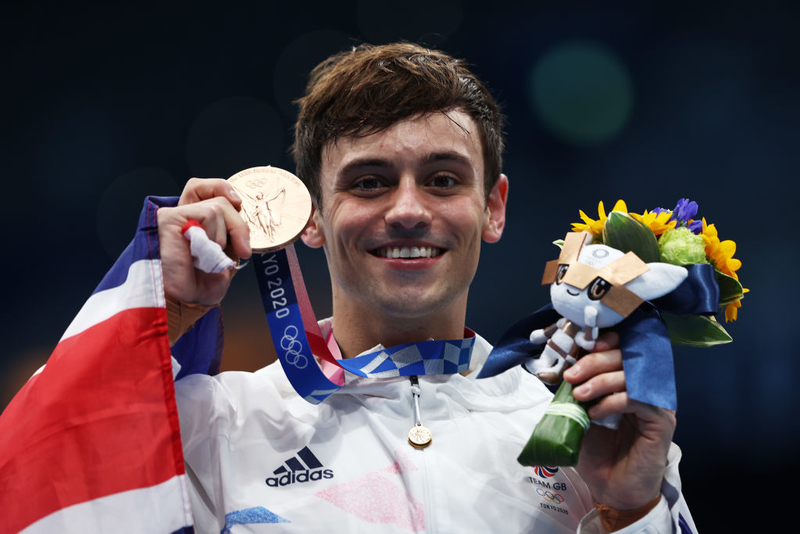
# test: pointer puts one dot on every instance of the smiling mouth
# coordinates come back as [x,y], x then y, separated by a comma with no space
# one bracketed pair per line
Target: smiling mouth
[407,252]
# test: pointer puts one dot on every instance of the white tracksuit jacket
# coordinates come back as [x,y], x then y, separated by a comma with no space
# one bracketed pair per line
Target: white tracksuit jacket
[262,459]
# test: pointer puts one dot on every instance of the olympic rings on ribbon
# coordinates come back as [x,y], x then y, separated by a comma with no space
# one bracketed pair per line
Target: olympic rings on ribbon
[550,496]
[292,348]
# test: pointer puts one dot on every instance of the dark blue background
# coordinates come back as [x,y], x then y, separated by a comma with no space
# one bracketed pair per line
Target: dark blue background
[102,105]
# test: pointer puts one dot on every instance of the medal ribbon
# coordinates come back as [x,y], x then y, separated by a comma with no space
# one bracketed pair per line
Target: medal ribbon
[298,339]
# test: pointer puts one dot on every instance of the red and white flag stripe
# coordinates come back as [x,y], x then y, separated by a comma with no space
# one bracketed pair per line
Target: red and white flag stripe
[92,442]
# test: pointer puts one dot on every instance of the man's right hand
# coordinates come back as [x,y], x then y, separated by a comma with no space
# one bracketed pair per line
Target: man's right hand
[214,204]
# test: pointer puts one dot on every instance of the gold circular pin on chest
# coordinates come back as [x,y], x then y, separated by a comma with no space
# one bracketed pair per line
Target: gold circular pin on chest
[419,437]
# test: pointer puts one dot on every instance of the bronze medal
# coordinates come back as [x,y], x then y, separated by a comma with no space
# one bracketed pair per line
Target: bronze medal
[275,205]
[419,437]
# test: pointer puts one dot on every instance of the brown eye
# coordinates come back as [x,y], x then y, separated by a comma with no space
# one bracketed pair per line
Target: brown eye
[562,272]
[598,289]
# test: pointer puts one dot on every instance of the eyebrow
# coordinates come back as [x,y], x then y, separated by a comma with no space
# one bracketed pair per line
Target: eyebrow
[381,163]
[360,163]
[450,155]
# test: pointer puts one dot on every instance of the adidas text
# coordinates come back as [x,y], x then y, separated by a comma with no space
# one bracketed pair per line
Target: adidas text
[303,476]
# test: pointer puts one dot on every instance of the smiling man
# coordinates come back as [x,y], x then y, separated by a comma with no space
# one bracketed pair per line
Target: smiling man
[402,217]
[401,149]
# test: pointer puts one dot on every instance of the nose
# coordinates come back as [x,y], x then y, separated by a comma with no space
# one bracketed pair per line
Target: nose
[409,206]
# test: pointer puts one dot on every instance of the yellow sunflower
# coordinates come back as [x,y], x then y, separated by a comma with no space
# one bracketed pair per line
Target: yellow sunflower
[596,226]
[732,309]
[721,254]
[657,222]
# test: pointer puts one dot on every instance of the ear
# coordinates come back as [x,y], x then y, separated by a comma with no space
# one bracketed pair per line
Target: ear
[495,219]
[314,234]
[658,281]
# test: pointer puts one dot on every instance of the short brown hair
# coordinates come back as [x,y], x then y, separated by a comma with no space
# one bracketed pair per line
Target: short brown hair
[369,88]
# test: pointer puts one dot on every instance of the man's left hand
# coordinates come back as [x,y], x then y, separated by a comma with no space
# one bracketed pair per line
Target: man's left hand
[623,468]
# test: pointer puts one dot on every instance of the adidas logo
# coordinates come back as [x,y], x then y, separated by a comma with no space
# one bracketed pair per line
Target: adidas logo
[302,467]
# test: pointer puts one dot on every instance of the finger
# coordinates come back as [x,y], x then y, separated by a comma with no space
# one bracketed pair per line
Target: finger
[621,403]
[219,219]
[239,234]
[616,403]
[211,215]
[227,223]
[199,189]
[594,364]
[214,223]
[600,385]
[607,341]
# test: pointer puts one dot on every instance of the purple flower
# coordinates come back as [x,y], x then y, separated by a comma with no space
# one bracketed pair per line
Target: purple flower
[684,211]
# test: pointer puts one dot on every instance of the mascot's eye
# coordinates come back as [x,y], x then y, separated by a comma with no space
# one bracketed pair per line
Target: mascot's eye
[598,289]
[562,272]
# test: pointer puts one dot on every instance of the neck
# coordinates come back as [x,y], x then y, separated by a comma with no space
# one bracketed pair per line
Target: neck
[359,328]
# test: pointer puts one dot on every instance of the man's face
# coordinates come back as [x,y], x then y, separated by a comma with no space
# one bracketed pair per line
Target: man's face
[403,215]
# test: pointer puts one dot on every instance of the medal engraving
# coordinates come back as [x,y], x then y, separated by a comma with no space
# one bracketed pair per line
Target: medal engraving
[275,205]
[419,437]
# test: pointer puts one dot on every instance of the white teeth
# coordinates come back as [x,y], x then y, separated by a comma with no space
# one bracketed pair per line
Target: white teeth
[408,252]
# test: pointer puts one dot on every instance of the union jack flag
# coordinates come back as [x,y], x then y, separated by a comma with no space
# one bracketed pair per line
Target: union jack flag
[92,442]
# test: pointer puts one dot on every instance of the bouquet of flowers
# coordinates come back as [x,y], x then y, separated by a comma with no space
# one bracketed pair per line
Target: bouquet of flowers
[679,238]
[679,312]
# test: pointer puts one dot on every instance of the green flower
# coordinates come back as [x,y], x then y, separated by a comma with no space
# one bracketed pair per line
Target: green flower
[681,247]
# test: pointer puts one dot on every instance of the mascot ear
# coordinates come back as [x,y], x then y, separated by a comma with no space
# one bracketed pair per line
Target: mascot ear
[658,281]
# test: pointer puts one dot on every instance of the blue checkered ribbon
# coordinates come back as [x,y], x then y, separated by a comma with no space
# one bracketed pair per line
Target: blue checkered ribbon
[297,337]
[423,358]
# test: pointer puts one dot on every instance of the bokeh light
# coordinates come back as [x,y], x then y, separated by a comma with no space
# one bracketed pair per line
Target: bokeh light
[581,92]
[233,134]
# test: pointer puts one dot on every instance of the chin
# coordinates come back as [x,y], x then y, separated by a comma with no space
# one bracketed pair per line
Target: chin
[414,305]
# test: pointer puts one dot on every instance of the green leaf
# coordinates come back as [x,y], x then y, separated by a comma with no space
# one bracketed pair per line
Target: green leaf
[730,289]
[559,243]
[695,330]
[556,440]
[626,234]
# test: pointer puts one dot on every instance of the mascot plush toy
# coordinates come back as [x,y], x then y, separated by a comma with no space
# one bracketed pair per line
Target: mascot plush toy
[592,287]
